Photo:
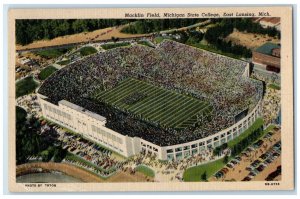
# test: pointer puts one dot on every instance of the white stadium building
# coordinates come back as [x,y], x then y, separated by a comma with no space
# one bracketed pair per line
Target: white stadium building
[59,107]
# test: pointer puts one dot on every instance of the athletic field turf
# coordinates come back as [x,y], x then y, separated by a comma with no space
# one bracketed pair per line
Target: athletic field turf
[155,104]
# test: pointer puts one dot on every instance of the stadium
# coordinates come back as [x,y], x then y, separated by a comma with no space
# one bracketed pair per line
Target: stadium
[173,100]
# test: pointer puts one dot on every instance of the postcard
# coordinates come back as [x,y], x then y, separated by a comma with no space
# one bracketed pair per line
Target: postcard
[151,99]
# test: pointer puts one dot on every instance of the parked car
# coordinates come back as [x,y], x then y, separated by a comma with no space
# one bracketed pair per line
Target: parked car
[261,168]
[230,165]
[255,163]
[258,143]
[276,154]
[252,173]
[219,174]
[245,154]
[238,158]
[247,178]
[249,168]
[264,156]
[268,161]
[234,162]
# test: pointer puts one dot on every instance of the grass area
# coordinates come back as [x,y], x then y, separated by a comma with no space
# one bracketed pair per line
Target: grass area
[25,86]
[46,72]
[274,86]
[155,104]
[145,170]
[53,53]
[193,174]
[246,133]
[87,50]
[159,39]
[114,45]
[145,43]
[64,62]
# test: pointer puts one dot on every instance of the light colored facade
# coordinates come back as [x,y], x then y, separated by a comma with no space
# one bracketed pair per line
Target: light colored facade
[202,146]
[266,22]
[92,126]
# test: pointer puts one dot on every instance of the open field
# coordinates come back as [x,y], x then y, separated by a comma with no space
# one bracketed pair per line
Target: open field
[250,40]
[274,86]
[155,104]
[145,170]
[97,35]
[160,39]
[25,86]
[194,174]
[145,43]
[46,72]
[64,62]
[114,45]
[52,53]
[87,50]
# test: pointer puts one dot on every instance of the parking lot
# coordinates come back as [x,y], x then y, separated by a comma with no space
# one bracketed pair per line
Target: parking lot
[256,162]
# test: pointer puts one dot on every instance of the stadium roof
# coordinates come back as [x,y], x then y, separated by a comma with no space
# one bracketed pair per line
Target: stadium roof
[82,110]
[267,48]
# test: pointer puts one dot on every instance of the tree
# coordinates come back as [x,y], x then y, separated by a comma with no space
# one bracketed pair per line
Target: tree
[59,154]
[29,30]
[226,159]
[27,141]
[204,176]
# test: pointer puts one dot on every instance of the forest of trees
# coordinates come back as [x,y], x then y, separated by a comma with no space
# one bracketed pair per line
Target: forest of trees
[216,34]
[27,140]
[29,30]
[154,25]
[30,143]
[244,143]
[246,25]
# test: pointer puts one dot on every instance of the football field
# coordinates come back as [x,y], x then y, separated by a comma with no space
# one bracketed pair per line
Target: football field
[155,104]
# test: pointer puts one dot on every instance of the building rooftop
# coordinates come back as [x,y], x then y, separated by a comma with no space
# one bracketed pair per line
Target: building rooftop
[82,110]
[273,20]
[267,48]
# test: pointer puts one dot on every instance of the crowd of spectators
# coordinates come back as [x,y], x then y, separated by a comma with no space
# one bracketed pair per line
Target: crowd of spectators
[271,101]
[214,78]
[271,105]
[105,164]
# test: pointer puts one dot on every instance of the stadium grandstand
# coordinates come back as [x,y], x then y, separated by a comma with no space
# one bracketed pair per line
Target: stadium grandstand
[173,100]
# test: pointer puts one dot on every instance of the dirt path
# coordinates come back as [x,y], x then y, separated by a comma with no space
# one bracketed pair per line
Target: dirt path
[127,177]
[81,174]
[97,35]
[250,40]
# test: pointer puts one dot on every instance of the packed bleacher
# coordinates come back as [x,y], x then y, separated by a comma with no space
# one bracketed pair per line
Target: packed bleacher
[210,77]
